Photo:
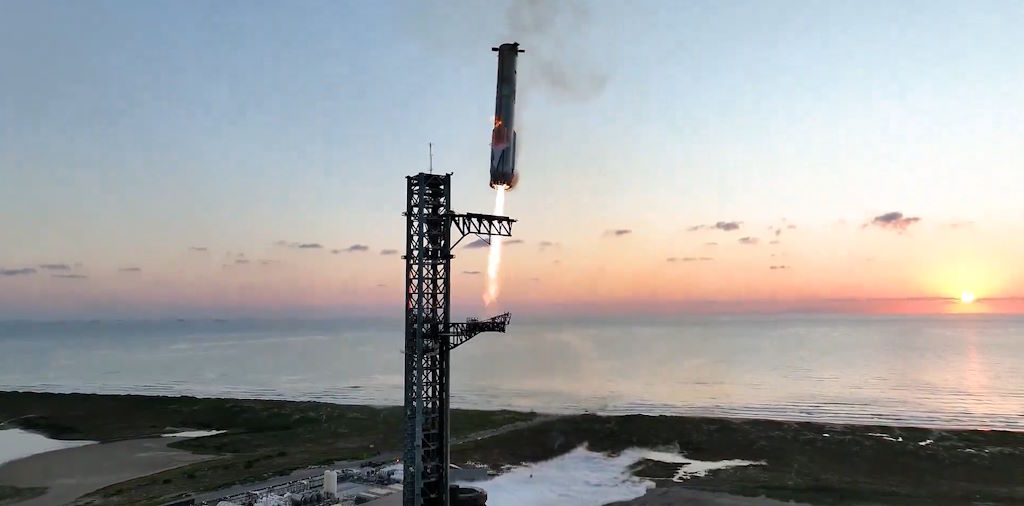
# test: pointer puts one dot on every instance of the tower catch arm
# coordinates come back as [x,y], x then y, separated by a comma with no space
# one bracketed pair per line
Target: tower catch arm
[460,332]
[481,225]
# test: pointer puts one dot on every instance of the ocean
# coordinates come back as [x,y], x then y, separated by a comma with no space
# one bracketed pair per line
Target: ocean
[962,371]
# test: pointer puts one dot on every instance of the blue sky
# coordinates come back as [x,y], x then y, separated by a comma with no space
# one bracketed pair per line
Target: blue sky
[130,131]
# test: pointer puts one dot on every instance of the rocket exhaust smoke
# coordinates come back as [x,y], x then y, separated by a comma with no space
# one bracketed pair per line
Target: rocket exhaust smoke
[494,256]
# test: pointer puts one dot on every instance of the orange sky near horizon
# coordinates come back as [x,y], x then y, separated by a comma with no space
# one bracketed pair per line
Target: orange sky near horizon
[831,268]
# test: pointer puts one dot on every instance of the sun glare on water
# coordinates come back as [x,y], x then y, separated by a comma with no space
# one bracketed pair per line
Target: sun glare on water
[966,297]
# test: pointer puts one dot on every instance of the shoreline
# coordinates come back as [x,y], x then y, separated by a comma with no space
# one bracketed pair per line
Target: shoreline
[716,413]
[804,461]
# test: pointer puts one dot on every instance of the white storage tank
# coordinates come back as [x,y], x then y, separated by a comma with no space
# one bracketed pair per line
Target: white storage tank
[331,483]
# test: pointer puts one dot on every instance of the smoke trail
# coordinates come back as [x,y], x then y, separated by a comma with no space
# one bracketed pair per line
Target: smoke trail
[494,257]
[552,31]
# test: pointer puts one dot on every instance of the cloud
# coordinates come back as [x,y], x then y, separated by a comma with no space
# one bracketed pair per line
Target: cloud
[893,220]
[535,280]
[268,262]
[479,243]
[388,252]
[959,225]
[17,272]
[543,245]
[778,232]
[775,241]
[299,245]
[357,248]
[619,232]
[791,226]
[712,243]
[471,273]
[727,226]
[779,267]
[198,249]
[70,276]
[689,259]
[55,267]
[749,240]
[381,285]
[129,269]
[241,261]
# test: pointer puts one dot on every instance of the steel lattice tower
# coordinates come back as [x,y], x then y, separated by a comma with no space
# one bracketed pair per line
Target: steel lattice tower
[429,333]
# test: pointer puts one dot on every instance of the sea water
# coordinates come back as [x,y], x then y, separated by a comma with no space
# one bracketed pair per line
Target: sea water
[937,371]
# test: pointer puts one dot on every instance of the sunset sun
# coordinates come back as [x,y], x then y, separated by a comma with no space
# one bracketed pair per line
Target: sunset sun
[966,297]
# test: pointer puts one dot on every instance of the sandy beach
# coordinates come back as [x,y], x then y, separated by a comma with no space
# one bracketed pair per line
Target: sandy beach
[71,473]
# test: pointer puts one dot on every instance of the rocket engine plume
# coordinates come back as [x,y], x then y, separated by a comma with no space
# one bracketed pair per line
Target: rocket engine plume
[494,256]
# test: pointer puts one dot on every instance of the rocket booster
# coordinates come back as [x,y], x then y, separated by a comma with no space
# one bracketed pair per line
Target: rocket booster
[503,137]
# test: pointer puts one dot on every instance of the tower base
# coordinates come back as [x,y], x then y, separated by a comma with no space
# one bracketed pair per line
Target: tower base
[466,496]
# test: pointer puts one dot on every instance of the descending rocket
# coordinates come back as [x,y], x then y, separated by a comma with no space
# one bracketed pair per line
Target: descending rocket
[503,137]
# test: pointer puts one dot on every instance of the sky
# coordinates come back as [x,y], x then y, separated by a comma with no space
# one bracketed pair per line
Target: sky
[169,159]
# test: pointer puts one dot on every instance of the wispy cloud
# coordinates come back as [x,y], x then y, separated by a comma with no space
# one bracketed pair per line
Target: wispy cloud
[959,225]
[388,252]
[299,245]
[70,276]
[689,259]
[749,240]
[619,232]
[712,243]
[198,249]
[544,245]
[513,241]
[241,261]
[774,242]
[779,267]
[479,243]
[727,226]
[129,269]
[894,221]
[471,273]
[55,267]
[357,248]
[24,271]
[266,261]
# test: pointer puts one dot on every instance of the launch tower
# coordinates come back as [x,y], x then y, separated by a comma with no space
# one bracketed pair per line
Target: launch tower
[430,335]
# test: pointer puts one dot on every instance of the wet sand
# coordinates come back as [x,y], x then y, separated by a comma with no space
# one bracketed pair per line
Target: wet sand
[73,472]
